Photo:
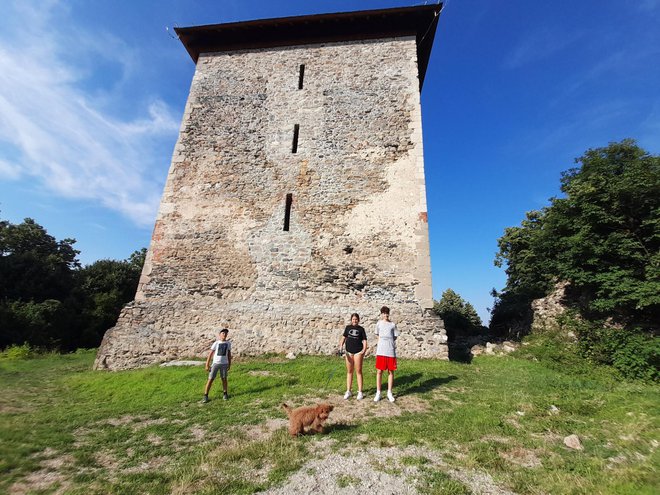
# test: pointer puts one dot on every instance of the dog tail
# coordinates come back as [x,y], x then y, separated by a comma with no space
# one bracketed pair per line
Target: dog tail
[286,408]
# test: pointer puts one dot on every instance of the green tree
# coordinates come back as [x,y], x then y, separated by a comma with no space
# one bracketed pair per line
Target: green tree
[459,315]
[47,300]
[603,237]
[36,277]
[34,266]
[106,286]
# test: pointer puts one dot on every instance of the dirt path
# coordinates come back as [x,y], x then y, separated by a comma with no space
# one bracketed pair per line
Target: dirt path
[382,470]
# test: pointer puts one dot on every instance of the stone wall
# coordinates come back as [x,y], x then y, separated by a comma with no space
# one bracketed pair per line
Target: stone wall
[358,234]
[546,310]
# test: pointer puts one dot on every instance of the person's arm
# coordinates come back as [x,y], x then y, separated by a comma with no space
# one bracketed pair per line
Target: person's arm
[364,342]
[229,359]
[342,341]
[208,360]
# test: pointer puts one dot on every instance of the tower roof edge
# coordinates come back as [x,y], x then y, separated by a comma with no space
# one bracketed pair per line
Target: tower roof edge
[419,21]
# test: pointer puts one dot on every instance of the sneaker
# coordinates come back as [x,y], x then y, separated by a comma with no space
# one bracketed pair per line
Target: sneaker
[205,399]
[225,396]
[347,395]
[360,396]
[377,397]
[390,397]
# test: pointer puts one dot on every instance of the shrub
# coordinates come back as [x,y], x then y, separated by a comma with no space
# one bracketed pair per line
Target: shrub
[554,349]
[23,351]
[634,353]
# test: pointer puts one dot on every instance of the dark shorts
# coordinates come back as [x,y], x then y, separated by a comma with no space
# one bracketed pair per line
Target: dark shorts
[385,363]
[222,368]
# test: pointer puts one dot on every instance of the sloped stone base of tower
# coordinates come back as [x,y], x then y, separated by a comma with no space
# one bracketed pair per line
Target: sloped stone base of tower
[150,332]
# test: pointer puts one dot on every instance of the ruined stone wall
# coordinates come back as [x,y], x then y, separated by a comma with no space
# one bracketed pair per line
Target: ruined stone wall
[358,234]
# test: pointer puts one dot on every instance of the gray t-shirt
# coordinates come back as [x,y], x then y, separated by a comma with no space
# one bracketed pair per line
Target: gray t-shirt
[388,333]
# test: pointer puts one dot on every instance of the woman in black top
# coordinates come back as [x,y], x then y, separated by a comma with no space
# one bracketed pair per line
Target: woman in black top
[355,339]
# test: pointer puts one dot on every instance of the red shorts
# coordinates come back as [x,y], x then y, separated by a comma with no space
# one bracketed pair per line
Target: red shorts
[385,363]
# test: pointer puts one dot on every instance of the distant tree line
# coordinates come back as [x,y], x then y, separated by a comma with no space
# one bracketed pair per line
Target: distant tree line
[603,238]
[48,300]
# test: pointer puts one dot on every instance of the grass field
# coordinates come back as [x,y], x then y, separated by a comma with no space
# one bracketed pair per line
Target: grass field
[67,429]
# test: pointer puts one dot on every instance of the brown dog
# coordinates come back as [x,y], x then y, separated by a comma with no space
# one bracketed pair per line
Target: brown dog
[313,417]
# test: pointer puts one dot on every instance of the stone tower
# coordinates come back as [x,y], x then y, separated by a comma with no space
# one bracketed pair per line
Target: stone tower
[296,193]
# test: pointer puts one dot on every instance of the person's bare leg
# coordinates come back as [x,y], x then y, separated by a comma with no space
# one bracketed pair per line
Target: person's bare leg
[390,380]
[358,370]
[208,386]
[224,385]
[379,380]
[349,372]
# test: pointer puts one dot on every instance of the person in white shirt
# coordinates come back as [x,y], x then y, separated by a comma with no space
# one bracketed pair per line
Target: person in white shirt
[385,352]
[221,356]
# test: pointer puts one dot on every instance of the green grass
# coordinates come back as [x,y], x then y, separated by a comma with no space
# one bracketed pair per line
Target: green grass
[346,480]
[145,431]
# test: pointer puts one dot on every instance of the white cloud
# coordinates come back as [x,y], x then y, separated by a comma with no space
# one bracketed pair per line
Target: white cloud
[54,127]
[539,45]
[9,170]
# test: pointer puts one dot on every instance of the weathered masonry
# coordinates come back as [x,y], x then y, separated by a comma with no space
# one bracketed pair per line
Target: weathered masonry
[296,194]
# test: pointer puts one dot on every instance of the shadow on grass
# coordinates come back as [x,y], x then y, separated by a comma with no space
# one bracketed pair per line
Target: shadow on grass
[460,353]
[331,428]
[406,384]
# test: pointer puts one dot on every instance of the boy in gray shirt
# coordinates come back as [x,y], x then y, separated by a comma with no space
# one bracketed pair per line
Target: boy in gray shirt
[385,352]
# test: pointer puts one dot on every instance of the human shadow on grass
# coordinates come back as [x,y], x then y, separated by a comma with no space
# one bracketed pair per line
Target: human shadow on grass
[331,428]
[407,386]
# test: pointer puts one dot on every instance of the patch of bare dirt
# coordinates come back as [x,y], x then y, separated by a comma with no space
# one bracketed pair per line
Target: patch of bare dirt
[377,470]
[48,477]
[12,409]
[197,432]
[513,421]
[107,460]
[154,439]
[150,465]
[456,450]
[438,395]
[263,431]
[135,422]
[57,463]
[616,461]
[522,457]
[548,437]
[263,373]
[354,411]
[121,421]
[40,481]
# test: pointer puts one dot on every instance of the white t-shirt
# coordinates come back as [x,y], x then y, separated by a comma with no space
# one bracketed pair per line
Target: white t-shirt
[222,349]
[387,333]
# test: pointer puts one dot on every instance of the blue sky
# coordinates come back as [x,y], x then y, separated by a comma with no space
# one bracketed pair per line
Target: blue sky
[92,92]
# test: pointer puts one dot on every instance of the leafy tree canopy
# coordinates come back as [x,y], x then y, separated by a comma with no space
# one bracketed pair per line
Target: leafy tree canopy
[34,266]
[603,237]
[48,300]
[457,314]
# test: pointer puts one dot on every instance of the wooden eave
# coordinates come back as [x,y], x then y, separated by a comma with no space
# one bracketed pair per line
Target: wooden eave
[419,21]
